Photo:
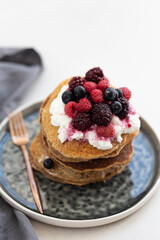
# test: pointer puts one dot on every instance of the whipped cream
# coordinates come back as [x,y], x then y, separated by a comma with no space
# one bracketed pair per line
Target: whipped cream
[67,132]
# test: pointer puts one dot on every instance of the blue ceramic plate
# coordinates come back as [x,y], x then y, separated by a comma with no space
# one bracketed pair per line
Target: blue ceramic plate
[73,206]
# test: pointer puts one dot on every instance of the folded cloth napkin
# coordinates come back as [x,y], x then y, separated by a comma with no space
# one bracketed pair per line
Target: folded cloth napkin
[18,69]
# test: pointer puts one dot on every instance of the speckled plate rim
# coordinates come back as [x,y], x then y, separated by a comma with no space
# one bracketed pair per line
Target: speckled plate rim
[26,109]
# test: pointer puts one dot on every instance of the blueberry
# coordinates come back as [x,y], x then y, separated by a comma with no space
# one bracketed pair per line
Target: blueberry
[110,94]
[67,96]
[79,92]
[48,163]
[116,107]
[120,93]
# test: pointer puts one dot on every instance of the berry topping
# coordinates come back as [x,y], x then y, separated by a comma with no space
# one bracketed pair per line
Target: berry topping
[110,94]
[120,93]
[125,108]
[101,114]
[96,96]
[94,75]
[48,163]
[103,85]
[126,93]
[116,107]
[76,81]
[79,92]
[70,109]
[107,132]
[84,105]
[67,96]
[89,86]
[82,121]
[91,100]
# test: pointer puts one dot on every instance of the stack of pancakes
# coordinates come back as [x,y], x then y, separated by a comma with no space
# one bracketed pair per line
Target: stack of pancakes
[76,162]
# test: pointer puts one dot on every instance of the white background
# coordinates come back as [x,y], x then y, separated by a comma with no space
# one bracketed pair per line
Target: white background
[123,38]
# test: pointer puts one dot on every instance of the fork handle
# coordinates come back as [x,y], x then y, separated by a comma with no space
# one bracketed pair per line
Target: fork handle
[32,181]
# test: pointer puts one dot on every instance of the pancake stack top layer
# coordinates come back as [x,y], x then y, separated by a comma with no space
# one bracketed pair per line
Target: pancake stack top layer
[87,129]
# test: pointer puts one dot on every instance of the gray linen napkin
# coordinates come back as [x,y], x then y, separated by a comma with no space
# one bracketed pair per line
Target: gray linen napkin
[18,69]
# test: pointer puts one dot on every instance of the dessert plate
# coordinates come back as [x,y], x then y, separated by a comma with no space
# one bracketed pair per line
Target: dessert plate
[73,206]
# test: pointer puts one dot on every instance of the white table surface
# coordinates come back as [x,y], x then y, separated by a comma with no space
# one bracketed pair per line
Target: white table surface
[123,38]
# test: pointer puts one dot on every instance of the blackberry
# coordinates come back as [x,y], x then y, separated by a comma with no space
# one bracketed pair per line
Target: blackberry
[125,108]
[101,114]
[82,121]
[94,75]
[76,81]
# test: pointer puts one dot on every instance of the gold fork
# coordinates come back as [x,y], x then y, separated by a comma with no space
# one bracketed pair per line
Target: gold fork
[20,137]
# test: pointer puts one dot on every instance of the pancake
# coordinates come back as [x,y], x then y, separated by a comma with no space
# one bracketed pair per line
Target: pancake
[55,154]
[79,173]
[72,151]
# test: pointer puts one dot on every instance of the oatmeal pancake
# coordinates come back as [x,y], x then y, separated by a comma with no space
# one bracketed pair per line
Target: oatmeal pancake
[73,151]
[79,173]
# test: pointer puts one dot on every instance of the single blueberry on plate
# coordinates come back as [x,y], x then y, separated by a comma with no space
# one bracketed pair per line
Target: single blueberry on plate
[48,163]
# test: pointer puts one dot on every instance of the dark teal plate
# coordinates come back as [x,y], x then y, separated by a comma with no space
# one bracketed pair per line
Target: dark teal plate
[108,202]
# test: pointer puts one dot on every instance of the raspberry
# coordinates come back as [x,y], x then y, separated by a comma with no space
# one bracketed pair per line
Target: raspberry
[97,96]
[82,121]
[103,85]
[101,114]
[89,86]
[126,93]
[125,108]
[76,81]
[70,109]
[84,105]
[94,75]
[107,132]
